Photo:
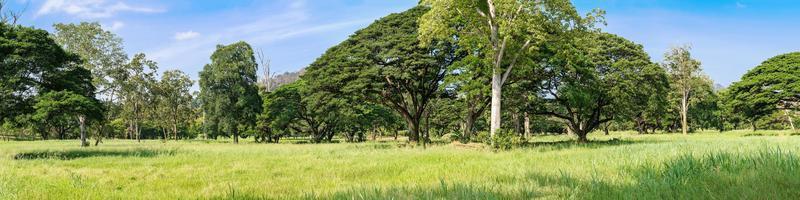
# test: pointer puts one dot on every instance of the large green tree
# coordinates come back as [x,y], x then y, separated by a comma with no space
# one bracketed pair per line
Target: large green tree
[386,64]
[31,64]
[508,31]
[770,87]
[592,78]
[228,90]
[103,54]
[101,50]
[290,108]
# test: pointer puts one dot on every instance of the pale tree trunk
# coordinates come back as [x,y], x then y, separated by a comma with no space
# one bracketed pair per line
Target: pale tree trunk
[497,90]
[82,122]
[175,131]
[499,75]
[138,131]
[791,122]
[517,124]
[685,112]
[527,125]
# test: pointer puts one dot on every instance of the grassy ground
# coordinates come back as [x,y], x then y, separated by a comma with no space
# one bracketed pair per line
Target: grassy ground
[734,165]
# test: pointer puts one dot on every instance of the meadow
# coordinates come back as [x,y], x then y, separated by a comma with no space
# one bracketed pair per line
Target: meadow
[623,165]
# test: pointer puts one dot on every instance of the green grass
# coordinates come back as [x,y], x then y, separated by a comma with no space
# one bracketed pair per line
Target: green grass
[733,165]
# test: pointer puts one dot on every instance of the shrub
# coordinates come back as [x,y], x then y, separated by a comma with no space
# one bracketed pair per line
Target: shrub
[503,140]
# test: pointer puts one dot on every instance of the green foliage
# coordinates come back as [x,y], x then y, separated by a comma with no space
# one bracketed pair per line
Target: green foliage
[773,85]
[383,64]
[174,100]
[228,91]
[101,51]
[506,140]
[57,110]
[33,64]
[592,78]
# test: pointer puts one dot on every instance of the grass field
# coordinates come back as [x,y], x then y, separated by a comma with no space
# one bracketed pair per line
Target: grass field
[733,165]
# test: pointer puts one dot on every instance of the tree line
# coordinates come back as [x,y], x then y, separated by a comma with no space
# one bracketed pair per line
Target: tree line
[439,70]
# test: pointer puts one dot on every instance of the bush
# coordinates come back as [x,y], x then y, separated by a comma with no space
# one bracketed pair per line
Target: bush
[452,137]
[504,139]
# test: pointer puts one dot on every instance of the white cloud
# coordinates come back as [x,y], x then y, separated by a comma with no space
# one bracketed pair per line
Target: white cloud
[91,8]
[116,25]
[186,35]
[740,5]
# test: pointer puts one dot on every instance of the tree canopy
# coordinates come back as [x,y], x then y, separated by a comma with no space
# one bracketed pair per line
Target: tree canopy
[770,86]
[386,64]
[594,78]
[228,90]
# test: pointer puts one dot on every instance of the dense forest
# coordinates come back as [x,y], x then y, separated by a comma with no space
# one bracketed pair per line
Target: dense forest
[461,71]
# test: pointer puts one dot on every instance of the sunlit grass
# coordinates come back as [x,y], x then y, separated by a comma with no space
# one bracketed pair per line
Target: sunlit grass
[736,164]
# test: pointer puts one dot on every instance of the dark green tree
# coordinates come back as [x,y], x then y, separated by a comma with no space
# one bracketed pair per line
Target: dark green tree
[770,87]
[591,78]
[385,64]
[228,90]
[31,64]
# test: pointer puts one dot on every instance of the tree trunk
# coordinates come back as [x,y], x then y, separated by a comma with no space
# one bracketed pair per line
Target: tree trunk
[685,112]
[82,123]
[413,129]
[640,125]
[497,91]
[581,136]
[175,131]
[791,122]
[138,131]
[527,125]
[235,135]
[469,124]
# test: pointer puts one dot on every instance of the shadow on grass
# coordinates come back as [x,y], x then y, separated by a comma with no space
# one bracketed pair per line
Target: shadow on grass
[768,174]
[770,134]
[543,146]
[442,191]
[86,153]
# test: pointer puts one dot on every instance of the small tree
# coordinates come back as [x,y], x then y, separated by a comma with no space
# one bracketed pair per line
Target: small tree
[684,74]
[175,99]
[53,106]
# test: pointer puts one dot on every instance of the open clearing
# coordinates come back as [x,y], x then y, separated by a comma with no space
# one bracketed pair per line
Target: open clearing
[731,165]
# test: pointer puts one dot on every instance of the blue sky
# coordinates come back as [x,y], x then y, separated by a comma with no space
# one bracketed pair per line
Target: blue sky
[729,36]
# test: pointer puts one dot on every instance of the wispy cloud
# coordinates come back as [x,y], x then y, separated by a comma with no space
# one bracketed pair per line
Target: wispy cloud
[740,5]
[91,8]
[116,25]
[186,35]
[256,32]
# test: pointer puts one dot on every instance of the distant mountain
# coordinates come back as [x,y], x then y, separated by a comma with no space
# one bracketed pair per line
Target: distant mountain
[719,87]
[284,78]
